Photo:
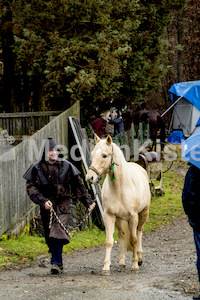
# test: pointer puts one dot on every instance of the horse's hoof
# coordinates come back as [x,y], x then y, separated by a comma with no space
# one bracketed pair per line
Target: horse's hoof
[105,272]
[135,271]
[139,263]
[121,266]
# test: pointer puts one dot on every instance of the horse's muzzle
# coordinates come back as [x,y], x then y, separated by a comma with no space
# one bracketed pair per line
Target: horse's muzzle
[91,177]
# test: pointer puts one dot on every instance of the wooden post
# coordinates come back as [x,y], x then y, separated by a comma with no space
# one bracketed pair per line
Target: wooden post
[121,138]
[126,138]
[148,129]
[132,140]
[141,133]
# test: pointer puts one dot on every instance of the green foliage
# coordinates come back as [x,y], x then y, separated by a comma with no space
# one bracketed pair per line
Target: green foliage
[25,248]
[192,41]
[4,237]
[21,250]
[168,207]
[86,239]
[93,51]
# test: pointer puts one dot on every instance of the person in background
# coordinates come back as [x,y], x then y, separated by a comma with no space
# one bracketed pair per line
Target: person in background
[118,123]
[51,183]
[99,126]
[191,205]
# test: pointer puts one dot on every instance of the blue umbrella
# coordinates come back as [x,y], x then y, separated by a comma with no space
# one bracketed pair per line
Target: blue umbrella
[191,149]
[190,90]
[198,123]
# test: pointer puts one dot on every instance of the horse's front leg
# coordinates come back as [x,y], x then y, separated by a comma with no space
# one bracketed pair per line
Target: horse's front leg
[143,216]
[121,242]
[109,221]
[133,223]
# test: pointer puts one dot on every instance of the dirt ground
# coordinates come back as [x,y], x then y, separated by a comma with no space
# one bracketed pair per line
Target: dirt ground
[168,272]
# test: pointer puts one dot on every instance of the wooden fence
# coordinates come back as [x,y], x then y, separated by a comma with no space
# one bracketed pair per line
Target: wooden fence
[25,123]
[16,209]
[140,133]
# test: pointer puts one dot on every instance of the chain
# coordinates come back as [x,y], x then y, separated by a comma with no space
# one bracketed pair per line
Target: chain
[52,212]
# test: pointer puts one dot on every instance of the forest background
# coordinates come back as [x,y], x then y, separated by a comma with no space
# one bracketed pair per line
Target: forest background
[103,53]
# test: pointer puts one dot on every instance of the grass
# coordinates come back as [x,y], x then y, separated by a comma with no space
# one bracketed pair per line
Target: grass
[25,248]
[21,250]
[168,206]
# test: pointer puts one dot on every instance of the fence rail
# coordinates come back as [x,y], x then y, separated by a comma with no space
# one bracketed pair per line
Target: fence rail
[25,123]
[141,133]
[16,209]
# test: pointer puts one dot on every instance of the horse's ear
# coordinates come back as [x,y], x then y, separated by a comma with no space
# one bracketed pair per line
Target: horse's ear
[96,138]
[108,140]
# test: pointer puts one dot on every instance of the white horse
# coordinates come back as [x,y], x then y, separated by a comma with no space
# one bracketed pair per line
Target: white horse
[109,113]
[126,199]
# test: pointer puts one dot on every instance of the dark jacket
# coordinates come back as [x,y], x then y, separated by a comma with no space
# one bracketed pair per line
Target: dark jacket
[191,197]
[118,125]
[57,183]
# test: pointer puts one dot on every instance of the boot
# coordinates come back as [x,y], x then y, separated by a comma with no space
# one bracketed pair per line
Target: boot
[56,270]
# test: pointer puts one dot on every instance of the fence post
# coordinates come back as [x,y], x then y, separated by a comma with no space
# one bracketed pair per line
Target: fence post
[126,138]
[148,130]
[141,133]
[132,140]
[121,138]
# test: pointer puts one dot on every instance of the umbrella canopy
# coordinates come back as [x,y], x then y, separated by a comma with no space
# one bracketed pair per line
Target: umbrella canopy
[191,149]
[189,90]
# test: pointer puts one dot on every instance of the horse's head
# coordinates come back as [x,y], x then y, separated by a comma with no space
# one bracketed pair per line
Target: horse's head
[105,115]
[102,159]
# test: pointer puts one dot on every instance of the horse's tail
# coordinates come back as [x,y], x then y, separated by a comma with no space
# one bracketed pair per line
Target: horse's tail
[161,124]
[127,236]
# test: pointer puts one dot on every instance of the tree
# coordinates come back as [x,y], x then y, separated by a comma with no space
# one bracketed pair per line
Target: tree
[95,51]
[7,41]
[191,41]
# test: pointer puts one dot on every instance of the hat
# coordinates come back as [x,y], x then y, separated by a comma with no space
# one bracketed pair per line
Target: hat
[50,144]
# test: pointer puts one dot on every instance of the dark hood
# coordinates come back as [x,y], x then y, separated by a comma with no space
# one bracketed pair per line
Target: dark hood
[65,167]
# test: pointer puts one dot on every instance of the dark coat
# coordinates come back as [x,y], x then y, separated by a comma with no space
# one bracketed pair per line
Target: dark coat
[191,197]
[118,125]
[57,183]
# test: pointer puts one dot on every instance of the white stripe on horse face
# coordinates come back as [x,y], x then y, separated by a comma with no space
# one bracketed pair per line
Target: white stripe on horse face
[98,152]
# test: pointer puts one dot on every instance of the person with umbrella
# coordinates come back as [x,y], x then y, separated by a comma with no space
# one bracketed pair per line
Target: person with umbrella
[191,191]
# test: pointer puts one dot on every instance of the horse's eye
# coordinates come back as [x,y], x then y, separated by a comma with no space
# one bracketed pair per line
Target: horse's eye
[104,155]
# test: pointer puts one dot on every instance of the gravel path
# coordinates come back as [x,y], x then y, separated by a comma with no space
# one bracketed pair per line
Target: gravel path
[168,272]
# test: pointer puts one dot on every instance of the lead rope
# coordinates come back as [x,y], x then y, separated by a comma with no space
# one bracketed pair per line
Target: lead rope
[52,212]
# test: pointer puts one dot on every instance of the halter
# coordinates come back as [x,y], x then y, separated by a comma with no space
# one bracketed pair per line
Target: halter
[107,170]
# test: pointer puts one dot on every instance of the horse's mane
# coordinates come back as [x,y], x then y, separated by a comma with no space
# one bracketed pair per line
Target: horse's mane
[118,152]
[128,166]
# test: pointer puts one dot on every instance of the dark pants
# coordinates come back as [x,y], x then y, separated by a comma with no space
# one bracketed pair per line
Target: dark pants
[197,244]
[56,252]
